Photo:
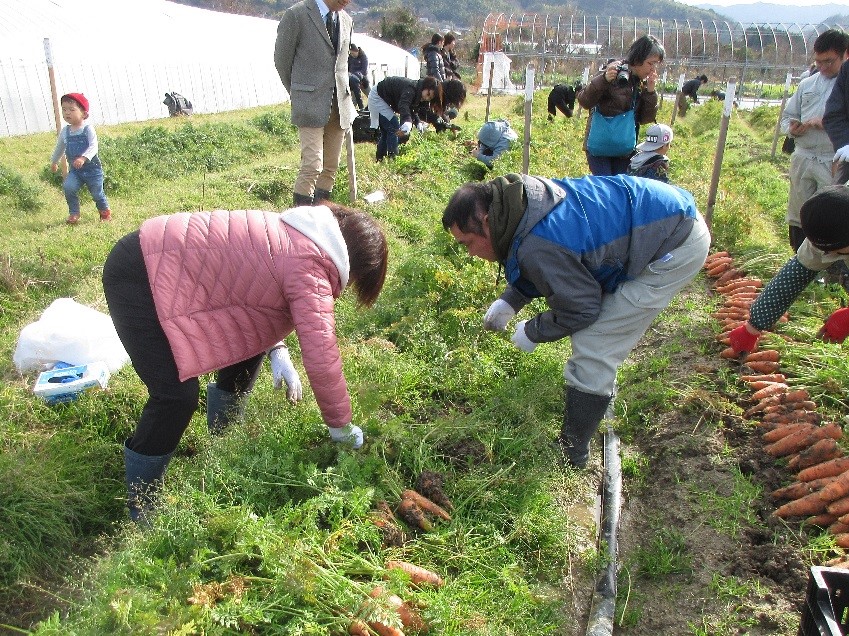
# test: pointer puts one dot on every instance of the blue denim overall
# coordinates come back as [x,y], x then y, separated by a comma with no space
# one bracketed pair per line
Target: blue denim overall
[91,174]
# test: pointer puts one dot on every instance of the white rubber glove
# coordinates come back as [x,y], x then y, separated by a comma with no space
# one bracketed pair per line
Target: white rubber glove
[520,339]
[282,370]
[406,127]
[421,126]
[498,315]
[842,154]
[350,434]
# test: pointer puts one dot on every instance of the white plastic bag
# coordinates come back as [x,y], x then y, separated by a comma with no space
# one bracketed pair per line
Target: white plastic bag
[69,332]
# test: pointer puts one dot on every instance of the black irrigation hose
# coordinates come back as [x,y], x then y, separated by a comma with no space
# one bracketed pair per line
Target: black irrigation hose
[603,605]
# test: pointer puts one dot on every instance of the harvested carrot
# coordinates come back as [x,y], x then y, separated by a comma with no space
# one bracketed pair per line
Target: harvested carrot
[716,260]
[764,377]
[386,522]
[764,355]
[812,504]
[757,385]
[776,388]
[792,443]
[837,489]
[384,630]
[717,270]
[740,283]
[413,515]
[826,469]
[822,520]
[842,540]
[839,507]
[796,442]
[800,488]
[425,504]
[729,354]
[784,430]
[430,484]
[761,366]
[716,255]
[418,575]
[409,616]
[730,274]
[790,407]
[358,628]
[838,528]
[799,415]
[822,451]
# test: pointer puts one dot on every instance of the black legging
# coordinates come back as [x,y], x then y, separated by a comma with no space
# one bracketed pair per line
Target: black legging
[170,403]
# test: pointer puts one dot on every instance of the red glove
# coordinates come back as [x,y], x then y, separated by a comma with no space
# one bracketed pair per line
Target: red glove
[743,341]
[836,328]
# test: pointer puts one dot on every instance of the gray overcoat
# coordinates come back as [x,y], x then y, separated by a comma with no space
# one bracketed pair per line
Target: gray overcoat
[309,67]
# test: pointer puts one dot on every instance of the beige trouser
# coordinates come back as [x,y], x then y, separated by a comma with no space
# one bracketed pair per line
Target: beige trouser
[321,149]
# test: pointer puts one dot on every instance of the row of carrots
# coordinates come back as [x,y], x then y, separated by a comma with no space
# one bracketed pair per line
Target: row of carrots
[792,427]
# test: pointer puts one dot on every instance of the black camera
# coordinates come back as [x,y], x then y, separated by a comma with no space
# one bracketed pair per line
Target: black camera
[623,74]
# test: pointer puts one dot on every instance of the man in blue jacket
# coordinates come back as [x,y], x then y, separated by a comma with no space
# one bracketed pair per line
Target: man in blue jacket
[607,253]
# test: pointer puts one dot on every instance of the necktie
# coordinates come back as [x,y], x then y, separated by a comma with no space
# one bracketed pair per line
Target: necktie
[331,27]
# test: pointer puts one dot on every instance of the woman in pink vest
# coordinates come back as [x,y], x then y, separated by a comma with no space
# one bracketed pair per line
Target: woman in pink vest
[192,293]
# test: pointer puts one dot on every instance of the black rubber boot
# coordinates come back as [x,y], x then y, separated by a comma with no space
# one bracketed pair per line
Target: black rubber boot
[301,199]
[321,196]
[144,479]
[582,416]
[223,408]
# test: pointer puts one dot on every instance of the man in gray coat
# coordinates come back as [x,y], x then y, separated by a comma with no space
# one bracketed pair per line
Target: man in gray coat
[311,56]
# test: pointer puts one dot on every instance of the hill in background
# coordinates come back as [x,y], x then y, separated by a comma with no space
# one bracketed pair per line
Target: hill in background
[779,13]
[470,13]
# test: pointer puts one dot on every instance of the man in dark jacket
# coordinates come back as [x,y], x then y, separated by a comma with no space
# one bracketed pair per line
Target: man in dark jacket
[562,98]
[433,58]
[606,253]
[836,124]
[690,91]
[357,74]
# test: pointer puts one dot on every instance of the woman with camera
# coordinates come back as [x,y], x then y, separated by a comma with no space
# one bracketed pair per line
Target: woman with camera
[621,97]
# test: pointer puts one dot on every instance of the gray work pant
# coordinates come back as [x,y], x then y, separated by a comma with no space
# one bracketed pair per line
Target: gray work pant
[626,314]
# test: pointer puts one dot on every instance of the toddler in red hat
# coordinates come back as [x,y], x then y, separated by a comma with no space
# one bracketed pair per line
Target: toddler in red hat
[78,142]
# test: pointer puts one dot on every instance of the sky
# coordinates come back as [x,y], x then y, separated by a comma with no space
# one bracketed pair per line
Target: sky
[795,3]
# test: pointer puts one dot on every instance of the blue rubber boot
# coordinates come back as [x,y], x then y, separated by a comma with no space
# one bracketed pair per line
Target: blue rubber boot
[223,408]
[144,480]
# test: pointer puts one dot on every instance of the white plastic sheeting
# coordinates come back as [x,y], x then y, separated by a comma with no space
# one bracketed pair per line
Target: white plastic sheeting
[500,65]
[124,56]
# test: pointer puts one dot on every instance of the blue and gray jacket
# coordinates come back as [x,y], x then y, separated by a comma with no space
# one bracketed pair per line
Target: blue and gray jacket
[581,238]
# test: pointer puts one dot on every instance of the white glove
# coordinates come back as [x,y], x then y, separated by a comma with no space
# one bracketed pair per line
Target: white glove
[282,370]
[349,434]
[498,315]
[421,126]
[406,127]
[842,154]
[520,339]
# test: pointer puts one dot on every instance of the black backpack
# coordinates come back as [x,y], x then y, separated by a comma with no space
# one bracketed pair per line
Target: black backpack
[177,104]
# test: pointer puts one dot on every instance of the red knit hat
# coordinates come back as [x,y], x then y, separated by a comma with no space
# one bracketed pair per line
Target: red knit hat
[81,99]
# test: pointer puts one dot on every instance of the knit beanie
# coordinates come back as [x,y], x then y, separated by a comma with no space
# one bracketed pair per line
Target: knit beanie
[825,218]
[81,99]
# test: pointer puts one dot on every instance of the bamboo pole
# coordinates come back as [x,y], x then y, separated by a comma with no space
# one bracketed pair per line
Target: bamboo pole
[780,113]
[529,101]
[730,90]
[489,89]
[352,165]
[54,95]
